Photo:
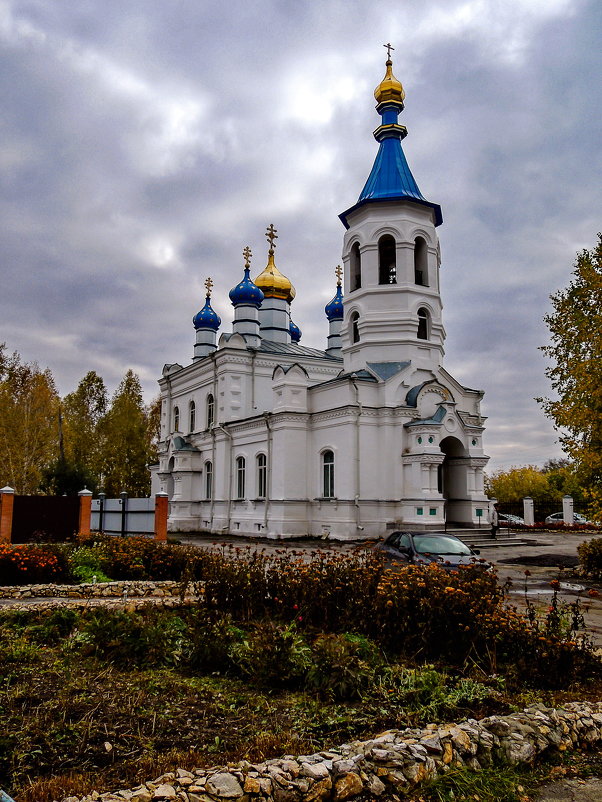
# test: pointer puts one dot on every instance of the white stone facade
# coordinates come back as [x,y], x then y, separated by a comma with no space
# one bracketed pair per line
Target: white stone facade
[264,437]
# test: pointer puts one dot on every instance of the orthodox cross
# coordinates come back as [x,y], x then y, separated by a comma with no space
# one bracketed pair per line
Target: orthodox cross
[247,254]
[338,272]
[208,285]
[271,235]
[389,47]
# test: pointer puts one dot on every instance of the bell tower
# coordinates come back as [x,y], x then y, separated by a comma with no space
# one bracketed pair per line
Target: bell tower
[391,255]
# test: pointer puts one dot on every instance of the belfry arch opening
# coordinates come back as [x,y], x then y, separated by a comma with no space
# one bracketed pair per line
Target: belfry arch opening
[387,260]
[453,476]
[420,262]
[355,259]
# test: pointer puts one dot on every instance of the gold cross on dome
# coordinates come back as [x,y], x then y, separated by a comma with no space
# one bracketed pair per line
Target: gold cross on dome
[247,254]
[208,285]
[389,47]
[339,273]
[271,235]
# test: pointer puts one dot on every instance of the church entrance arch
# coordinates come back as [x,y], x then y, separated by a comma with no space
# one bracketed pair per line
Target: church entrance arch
[453,477]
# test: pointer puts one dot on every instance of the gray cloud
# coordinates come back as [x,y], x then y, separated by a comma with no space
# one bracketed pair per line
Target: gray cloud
[144,145]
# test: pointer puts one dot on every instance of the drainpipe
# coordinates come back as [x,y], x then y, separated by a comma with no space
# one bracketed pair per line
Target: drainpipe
[268,482]
[253,357]
[230,469]
[358,406]
[212,507]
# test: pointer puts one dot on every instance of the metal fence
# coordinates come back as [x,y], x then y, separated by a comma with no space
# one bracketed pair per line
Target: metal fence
[123,515]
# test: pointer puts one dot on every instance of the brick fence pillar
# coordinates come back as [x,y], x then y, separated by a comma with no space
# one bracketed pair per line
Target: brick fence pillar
[7,498]
[85,514]
[161,513]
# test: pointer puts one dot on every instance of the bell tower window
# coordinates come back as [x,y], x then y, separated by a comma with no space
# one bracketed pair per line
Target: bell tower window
[420,262]
[356,267]
[387,260]
[355,331]
[423,324]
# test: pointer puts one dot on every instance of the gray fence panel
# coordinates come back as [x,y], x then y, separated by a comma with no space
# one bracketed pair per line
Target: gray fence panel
[139,520]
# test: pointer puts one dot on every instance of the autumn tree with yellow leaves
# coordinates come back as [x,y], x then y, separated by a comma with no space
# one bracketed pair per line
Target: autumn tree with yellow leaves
[575,372]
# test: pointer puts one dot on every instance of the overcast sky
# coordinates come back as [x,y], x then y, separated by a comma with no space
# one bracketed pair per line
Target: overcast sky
[143,144]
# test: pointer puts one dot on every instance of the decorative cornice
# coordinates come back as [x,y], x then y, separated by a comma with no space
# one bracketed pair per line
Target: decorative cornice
[430,459]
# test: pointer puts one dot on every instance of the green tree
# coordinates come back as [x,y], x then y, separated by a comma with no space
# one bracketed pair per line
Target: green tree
[29,434]
[83,411]
[575,372]
[126,441]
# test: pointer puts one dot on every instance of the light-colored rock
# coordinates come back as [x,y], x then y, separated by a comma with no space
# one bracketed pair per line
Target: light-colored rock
[165,791]
[224,785]
[347,786]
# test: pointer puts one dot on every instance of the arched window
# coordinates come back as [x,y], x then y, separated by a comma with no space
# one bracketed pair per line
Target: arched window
[356,267]
[192,416]
[240,477]
[423,323]
[328,474]
[421,275]
[262,475]
[176,419]
[387,261]
[210,410]
[208,480]
[355,331]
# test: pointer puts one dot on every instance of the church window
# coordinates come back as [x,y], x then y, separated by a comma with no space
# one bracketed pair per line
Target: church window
[423,324]
[356,267]
[208,480]
[176,419]
[240,477]
[420,262]
[210,410]
[355,331]
[262,475]
[192,416]
[328,474]
[387,261]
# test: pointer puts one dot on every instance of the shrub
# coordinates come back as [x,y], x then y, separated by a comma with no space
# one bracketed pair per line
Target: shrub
[342,666]
[87,563]
[155,638]
[272,655]
[25,564]
[211,640]
[590,557]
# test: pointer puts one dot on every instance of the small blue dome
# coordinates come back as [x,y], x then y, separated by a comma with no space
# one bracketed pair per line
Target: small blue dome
[246,292]
[207,318]
[295,332]
[334,309]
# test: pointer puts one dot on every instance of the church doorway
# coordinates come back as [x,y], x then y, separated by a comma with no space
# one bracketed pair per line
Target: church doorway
[452,479]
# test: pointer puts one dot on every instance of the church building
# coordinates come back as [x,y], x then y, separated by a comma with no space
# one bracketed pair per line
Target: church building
[262,436]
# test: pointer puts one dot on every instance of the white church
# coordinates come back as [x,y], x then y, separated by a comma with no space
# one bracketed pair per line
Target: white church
[262,436]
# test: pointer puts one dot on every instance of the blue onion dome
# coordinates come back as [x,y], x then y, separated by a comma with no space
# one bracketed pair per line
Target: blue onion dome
[334,309]
[246,292]
[295,332]
[207,318]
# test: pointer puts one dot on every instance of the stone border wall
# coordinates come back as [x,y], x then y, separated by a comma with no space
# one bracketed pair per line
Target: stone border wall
[394,762]
[95,590]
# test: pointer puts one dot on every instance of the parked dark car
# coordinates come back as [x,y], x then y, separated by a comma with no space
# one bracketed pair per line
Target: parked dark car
[422,548]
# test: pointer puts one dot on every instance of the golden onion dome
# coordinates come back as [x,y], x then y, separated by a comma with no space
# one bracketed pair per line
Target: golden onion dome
[389,89]
[273,283]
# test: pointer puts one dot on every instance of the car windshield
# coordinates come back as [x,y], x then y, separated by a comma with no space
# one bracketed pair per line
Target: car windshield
[439,544]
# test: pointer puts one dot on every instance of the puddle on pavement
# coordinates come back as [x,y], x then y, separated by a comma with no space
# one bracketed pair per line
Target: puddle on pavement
[544,589]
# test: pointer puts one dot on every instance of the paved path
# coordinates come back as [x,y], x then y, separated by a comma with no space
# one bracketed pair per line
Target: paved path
[571,791]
